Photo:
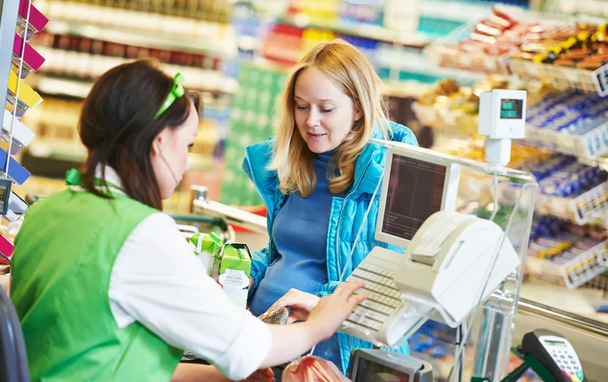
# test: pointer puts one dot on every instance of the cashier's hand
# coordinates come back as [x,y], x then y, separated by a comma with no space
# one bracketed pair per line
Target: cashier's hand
[262,375]
[333,310]
[299,303]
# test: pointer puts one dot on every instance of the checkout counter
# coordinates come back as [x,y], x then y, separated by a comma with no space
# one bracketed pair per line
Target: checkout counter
[450,269]
[586,330]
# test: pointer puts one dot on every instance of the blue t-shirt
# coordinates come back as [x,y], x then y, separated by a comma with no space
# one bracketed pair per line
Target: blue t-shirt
[300,235]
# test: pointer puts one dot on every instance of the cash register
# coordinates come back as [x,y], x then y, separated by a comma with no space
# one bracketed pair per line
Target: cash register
[452,262]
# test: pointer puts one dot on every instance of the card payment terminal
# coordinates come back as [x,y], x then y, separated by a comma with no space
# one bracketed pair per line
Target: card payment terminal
[555,353]
[372,365]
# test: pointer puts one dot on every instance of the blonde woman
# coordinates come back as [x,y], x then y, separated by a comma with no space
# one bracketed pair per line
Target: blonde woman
[317,178]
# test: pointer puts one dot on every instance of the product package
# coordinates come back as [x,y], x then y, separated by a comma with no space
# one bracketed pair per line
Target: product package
[231,269]
[228,263]
[276,316]
[205,247]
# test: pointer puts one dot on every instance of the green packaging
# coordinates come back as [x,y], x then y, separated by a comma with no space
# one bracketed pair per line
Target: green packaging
[228,263]
[206,246]
[231,269]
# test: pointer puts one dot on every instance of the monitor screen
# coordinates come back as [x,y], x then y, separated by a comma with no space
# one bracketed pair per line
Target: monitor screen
[511,108]
[415,192]
[370,371]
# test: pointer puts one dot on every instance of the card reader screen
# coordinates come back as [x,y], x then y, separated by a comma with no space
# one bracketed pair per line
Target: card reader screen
[370,371]
[511,108]
[415,192]
[555,343]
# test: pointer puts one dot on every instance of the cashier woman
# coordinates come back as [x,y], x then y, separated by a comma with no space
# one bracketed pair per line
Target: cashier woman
[106,287]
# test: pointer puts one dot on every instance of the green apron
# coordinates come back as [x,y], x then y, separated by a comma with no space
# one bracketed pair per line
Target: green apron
[61,267]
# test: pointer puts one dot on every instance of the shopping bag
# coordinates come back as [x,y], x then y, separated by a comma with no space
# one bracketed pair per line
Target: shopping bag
[312,369]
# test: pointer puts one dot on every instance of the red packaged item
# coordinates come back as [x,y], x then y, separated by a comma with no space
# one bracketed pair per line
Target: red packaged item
[482,28]
[503,15]
[312,369]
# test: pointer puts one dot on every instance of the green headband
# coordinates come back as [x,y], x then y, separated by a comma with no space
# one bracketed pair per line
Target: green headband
[177,90]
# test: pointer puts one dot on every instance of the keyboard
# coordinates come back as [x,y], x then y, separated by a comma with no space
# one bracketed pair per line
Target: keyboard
[383,318]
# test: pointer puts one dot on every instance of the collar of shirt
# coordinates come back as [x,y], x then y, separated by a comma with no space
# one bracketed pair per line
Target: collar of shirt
[110,182]
[111,176]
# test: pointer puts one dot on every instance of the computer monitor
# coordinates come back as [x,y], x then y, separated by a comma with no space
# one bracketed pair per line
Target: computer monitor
[417,183]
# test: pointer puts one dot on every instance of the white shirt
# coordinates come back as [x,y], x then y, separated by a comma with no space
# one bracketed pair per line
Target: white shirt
[158,281]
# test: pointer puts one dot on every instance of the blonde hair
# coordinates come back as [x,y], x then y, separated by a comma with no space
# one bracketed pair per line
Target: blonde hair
[350,72]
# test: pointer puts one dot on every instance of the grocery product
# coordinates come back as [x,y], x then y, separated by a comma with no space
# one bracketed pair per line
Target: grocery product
[276,316]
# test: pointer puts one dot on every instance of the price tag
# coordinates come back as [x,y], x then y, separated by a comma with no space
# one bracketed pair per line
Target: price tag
[590,204]
[600,78]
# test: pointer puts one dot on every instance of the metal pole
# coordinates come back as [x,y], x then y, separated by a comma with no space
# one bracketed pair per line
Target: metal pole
[8,26]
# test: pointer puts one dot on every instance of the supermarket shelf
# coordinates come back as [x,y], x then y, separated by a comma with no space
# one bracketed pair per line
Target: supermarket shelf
[72,151]
[414,61]
[563,77]
[62,87]
[217,47]
[454,11]
[446,120]
[573,273]
[66,87]
[67,151]
[373,32]
[586,7]
[406,89]
[581,209]
[590,148]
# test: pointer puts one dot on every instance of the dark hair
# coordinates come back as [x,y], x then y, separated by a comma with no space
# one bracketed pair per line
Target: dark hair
[117,126]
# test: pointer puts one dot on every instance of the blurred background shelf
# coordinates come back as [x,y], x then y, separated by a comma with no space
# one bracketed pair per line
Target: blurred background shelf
[369,31]
[217,47]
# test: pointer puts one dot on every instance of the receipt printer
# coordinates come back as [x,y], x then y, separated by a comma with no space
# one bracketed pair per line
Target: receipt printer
[371,365]
[455,261]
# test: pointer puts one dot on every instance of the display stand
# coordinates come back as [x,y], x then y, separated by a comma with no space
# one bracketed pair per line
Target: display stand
[19,20]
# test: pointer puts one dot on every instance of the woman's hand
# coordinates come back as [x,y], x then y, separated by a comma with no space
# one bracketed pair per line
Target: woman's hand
[299,303]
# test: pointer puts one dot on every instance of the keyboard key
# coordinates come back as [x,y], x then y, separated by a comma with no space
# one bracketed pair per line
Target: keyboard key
[373,295]
[394,303]
[367,303]
[357,326]
[371,324]
[376,316]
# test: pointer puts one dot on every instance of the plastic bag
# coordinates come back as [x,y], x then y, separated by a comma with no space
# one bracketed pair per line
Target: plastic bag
[312,369]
